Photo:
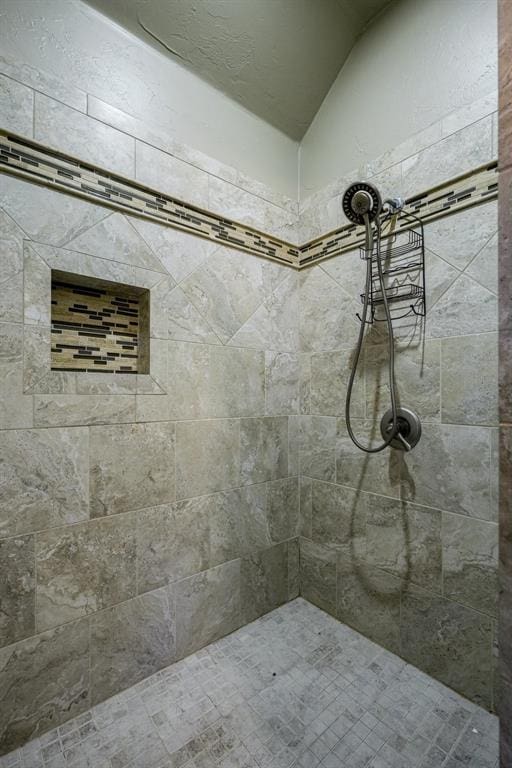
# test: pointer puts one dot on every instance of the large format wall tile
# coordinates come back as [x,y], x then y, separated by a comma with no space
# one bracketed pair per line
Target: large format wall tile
[64,410]
[465,308]
[239,521]
[318,575]
[46,478]
[450,468]
[236,382]
[283,509]
[417,377]
[316,446]
[450,157]
[44,681]
[130,642]
[404,540]
[375,472]
[484,267]
[172,542]
[207,456]
[282,382]
[327,313]
[263,449]
[17,589]
[45,215]
[470,379]
[274,323]
[368,599]
[116,238]
[167,174]
[470,562]
[458,239]
[132,466]
[229,288]
[338,514]
[329,380]
[84,568]
[207,607]
[179,253]
[67,130]
[448,641]
[16,107]
[264,581]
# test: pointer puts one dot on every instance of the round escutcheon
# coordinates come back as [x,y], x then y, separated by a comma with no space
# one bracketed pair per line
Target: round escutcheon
[409,428]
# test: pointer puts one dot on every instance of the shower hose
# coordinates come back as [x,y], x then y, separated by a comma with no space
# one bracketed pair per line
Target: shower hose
[391,359]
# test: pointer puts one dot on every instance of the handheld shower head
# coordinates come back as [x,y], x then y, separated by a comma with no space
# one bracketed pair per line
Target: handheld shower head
[361,200]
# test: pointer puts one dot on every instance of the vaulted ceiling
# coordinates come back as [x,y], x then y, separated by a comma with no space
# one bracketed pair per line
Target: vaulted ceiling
[277,58]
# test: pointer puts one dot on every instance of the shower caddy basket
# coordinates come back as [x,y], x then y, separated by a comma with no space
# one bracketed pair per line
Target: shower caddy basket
[402,255]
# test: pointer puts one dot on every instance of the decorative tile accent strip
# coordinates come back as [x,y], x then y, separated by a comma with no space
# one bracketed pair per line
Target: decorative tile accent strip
[66,174]
[94,329]
[54,169]
[477,186]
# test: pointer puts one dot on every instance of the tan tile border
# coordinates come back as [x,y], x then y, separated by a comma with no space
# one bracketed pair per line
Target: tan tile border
[33,161]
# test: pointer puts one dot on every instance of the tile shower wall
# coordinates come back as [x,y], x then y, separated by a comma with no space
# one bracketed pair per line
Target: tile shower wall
[404,547]
[141,516]
[144,516]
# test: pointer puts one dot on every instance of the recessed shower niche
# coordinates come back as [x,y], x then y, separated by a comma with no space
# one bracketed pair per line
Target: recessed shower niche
[98,326]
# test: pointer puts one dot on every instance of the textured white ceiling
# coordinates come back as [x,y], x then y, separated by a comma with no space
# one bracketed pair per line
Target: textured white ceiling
[278,58]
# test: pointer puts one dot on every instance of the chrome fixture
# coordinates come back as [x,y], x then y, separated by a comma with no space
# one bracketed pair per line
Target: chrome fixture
[362,204]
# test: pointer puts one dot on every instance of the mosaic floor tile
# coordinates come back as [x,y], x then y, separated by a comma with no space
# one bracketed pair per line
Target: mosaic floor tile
[293,689]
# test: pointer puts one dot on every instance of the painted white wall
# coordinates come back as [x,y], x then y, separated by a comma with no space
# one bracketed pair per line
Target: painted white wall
[69,39]
[419,60]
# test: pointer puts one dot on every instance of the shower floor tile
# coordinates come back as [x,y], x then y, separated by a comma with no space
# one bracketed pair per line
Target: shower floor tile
[294,688]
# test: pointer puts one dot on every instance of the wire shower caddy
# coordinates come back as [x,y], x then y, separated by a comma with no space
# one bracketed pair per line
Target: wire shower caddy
[402,255]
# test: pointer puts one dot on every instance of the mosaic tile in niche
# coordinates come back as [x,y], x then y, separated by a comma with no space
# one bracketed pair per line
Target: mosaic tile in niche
[98,326]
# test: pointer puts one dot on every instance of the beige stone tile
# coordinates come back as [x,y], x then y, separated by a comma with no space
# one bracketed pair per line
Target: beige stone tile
[130,642]
[469,391]
[327,313]
[17,589]
[263,449]
[283,509]
[46,478]
[207,456]
[207,607]
[264,581]
[64,410]
[165,173]
[470,562]
[17,107]
[450,469]
[318,575]
[433,631]
[375,472]
[116,238]
[84,568]
[417,378]
[67,130]
[282,384]
[44,681]
[173,542]
[330,372]
[132,466]
[239,522]
[459,238]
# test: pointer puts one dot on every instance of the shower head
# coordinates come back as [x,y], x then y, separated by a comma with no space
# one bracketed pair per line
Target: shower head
[360,200]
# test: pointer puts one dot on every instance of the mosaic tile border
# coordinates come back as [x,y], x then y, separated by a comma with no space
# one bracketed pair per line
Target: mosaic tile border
[59,171]
[467,190]
[41,165]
